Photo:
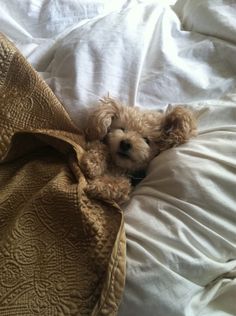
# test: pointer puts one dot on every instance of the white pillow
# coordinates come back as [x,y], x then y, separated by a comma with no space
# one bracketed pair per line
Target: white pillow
[180,226]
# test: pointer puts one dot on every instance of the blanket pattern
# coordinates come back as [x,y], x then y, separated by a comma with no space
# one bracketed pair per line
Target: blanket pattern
[61,253]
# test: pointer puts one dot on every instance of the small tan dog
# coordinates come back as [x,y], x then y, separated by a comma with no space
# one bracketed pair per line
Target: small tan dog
[123,140]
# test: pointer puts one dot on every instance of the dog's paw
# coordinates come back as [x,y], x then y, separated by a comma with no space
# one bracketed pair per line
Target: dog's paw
[110,188]
[93,164]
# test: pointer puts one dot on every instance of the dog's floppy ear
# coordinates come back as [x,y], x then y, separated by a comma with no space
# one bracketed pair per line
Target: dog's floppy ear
[100,119]
[178,125]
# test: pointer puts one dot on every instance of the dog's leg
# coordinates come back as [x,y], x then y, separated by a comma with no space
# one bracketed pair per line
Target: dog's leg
[110,188]
[94,160]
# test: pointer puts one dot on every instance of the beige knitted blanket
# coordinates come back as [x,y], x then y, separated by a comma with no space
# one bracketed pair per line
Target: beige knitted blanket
[61,253]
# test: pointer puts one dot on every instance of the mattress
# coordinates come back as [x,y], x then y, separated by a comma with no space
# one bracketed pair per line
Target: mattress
[180,220]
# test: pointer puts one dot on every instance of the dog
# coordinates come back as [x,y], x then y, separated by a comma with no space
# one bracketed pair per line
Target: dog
[122,141]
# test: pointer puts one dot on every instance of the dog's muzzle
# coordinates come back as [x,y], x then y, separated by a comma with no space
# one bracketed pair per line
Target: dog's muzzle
[124,148]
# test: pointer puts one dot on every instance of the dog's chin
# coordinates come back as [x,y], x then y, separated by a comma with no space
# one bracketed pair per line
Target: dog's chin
[123,156]
[125,162]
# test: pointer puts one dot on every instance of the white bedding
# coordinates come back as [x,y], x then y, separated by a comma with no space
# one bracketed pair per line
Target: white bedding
[180,222]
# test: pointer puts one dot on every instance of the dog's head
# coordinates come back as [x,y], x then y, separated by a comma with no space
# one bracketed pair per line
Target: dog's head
[134,136]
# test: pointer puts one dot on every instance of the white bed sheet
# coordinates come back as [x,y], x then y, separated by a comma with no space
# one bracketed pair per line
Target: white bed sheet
[180,222]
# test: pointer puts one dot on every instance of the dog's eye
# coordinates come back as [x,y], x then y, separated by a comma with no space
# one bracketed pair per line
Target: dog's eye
[122,128]
[147,140]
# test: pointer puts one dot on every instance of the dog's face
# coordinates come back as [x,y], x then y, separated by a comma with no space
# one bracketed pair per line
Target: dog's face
[134,137]
[129,133]
[130,139]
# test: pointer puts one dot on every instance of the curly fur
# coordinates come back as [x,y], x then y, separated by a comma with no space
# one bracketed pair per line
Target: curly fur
[123,140]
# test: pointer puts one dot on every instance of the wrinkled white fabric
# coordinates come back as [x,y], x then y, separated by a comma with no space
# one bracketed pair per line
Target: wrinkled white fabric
[212,18]
[180,225]
[180,222]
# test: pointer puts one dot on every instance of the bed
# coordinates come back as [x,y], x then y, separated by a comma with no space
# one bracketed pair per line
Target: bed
[180,220]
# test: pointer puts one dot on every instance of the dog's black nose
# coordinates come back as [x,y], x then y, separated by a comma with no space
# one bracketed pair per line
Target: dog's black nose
[125,145]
